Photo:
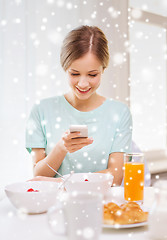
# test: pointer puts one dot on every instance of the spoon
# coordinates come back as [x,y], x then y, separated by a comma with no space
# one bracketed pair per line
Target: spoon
[61,176]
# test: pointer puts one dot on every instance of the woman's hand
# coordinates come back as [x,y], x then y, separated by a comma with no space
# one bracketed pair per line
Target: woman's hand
[73,142]
[49,179]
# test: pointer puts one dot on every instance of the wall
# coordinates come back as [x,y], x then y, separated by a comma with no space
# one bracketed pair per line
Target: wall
[31,34]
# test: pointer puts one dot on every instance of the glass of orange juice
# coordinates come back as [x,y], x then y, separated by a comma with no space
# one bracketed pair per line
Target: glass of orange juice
[134,177]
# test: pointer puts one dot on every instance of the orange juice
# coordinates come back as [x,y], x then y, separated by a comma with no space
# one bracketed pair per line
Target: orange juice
[133,181]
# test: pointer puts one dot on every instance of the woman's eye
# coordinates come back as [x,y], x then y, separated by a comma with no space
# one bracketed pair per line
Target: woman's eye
[75,74]
[92,75]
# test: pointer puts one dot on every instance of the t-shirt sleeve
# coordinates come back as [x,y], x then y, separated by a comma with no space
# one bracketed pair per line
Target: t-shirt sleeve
[35,137]
[123,137]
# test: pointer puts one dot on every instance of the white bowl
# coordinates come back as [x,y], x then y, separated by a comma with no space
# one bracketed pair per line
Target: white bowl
[32,202]
[97,182]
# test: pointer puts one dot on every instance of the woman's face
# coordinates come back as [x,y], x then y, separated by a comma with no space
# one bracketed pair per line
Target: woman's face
[84,76]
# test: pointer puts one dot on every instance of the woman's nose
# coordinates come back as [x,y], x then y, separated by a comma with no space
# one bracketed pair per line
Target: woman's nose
[83,82]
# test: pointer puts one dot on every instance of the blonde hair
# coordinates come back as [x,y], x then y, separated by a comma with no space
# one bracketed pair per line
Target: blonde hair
[82,40]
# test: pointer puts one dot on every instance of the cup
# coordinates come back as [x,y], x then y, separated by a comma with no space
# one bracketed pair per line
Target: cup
[78,216]
[158,212]
[134,177]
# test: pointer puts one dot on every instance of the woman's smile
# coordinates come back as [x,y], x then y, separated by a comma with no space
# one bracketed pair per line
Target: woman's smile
[83,91]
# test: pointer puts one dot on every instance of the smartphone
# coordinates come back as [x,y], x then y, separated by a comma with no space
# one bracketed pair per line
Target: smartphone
[83,129]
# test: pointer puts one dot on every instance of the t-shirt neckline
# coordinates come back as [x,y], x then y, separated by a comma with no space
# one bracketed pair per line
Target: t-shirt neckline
[70,107]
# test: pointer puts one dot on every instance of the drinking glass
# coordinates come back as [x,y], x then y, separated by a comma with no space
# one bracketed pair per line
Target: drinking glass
[134,177]
[78,216]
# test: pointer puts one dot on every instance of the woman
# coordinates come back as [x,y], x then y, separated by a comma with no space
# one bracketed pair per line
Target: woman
[84,57]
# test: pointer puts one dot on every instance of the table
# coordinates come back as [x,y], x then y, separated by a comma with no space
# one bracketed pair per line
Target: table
[15,225]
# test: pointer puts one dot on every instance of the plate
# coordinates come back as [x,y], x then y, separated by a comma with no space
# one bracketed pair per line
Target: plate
[117,226]
[116,194]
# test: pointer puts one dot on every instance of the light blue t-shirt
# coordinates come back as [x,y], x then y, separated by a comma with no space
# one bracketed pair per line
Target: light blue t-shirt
[110,125]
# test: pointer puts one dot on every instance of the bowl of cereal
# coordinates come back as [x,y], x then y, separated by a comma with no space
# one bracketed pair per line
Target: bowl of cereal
[33,197]
[89,182]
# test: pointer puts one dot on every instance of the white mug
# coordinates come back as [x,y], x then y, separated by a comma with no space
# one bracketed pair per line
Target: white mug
[158,213]
[78,216]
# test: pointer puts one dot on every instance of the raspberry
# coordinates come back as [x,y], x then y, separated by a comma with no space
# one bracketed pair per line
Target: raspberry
[32,190]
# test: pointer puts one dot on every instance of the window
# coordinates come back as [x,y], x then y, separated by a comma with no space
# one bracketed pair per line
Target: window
[148,96]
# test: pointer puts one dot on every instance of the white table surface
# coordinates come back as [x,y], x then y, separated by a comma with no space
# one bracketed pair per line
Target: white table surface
[18,226]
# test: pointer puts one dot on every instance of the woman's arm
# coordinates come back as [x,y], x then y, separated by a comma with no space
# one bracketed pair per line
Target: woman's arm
[115,167]
[54,159]
[68,143]
[46,179]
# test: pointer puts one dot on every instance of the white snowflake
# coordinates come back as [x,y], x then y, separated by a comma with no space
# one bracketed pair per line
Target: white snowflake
[78,232]
[15,80]
[147,176]
[50,1]
[85,154]
[118,58]
[69,6]
[48,135]
[23,115]
[94,129]
[44,20]
[136,13]
[3,22]
[41,69]
[58,119]
[58,29]
[36,43]
[43,28]
[144,7]
[43,122]
[33,35]
[10,214]
[88,233]
[139,34]
[51,145]
[57,126]
[18,2]
[60,3]
[113,13]
[55,37]
[68,26]
[93,15]
[103,161]
[79,166]
[17,20]
[15,142]
[21,213]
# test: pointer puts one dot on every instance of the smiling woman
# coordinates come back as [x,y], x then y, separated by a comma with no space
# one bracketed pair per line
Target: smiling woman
[84,83]
[84,56]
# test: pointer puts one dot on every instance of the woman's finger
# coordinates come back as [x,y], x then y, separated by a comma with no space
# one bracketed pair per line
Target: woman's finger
[75,148]
[81,141]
